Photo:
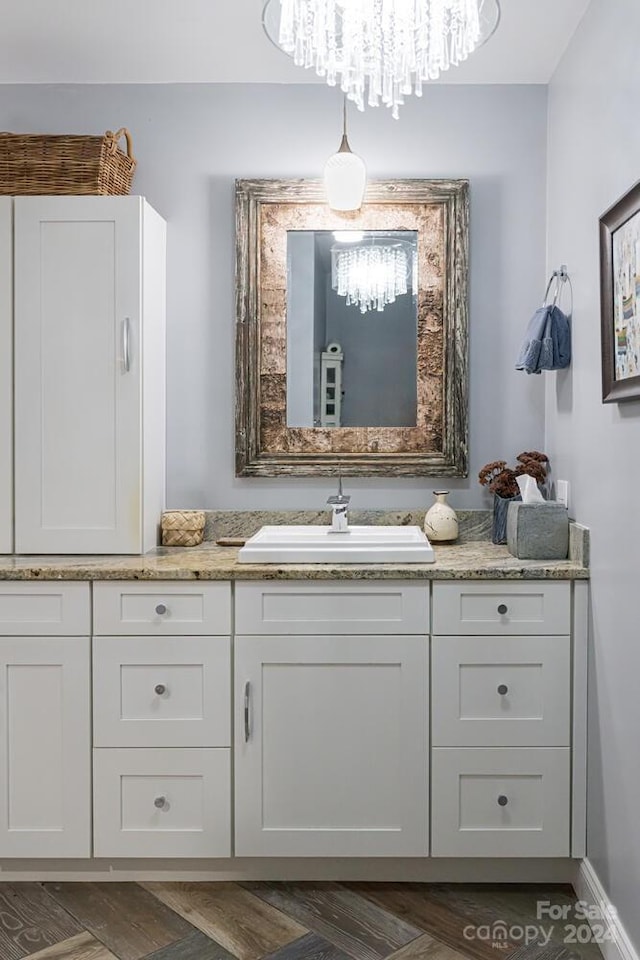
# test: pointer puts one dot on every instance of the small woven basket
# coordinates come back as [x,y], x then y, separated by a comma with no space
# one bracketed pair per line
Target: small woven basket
[182,528]
[32,164]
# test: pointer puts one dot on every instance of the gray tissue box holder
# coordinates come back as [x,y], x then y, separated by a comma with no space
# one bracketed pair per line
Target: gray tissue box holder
[538,531]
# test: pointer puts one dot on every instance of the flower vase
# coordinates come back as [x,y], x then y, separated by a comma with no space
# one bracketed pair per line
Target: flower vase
[441,521]
[500,511]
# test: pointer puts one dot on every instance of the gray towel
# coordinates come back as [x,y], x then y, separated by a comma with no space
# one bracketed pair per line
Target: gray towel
[547,344]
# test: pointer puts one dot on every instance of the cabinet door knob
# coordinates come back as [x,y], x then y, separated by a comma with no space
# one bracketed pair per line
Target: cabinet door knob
[160,689]
[160,802]
[502,800]
[502,609]
[161,609]
[503,689]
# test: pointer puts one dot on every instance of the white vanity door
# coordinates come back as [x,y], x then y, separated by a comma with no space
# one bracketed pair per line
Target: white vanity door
[331,746]
[45,747]
[6,375]
[78,374]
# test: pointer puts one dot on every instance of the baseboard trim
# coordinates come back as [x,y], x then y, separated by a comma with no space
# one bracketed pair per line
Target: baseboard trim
[420,870]
[617,945]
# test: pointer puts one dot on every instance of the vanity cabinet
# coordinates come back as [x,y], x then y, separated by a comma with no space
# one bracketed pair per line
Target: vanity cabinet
[162,719]
[334,737]
[87,324]
[293,719]
[501,720]
[331,719]
[45,720]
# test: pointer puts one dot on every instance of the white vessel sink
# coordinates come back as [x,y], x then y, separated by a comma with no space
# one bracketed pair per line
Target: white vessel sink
[319,545]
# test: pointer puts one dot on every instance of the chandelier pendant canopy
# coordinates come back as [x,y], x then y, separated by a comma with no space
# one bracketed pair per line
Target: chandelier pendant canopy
[379,51]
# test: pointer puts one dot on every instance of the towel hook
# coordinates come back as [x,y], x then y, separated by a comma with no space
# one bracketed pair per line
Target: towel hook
[560,277]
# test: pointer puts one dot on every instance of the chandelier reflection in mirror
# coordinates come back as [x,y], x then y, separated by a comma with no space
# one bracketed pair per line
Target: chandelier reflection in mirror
[380,50]
[371,276]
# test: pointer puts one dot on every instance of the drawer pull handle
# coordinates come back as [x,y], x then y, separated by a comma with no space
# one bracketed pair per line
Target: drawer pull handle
[160,689]
[160,802]
[247,712]
[503,689]
[502,800]
[502,609]
[161,609]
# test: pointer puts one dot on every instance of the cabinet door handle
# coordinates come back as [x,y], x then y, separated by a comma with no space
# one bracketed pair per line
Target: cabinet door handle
[502,609]
[247,712]
[502,800]
[160,802]
[126,344]
[160,689]
[161,609]
[503,689]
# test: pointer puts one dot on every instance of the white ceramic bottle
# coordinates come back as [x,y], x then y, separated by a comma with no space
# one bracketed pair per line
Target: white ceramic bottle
[441,521]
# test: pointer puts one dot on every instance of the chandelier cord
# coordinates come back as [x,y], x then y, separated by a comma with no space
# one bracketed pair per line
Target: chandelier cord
[344,146]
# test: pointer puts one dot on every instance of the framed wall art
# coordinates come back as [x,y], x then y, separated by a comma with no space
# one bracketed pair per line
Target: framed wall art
[620,293]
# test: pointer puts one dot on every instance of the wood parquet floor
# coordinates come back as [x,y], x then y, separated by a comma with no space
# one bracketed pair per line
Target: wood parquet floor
[285,921]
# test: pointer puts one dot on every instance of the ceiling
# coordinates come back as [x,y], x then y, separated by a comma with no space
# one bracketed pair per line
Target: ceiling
[221,41]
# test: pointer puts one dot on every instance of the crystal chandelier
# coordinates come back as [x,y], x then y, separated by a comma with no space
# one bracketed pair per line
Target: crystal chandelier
[380,50]
[371,276]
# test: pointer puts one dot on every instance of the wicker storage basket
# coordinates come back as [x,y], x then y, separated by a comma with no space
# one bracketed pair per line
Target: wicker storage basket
[40,164]
[182,528]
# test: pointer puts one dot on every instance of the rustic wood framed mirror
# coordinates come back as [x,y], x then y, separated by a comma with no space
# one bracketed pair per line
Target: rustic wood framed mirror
[352,330]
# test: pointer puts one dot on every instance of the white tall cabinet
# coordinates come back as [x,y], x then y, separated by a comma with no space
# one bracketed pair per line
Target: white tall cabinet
[6,375]
[89,334]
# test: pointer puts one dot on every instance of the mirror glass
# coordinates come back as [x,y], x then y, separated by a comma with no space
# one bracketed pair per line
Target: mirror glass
[352,328]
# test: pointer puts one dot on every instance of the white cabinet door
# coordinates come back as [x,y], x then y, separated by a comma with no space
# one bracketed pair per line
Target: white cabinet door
[6,375]
[78,374]
[45,748]
[331,746]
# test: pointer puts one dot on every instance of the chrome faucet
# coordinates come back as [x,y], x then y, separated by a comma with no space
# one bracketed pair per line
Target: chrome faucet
[339,504]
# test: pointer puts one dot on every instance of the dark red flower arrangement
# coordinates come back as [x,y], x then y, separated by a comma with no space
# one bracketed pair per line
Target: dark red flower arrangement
[502,480]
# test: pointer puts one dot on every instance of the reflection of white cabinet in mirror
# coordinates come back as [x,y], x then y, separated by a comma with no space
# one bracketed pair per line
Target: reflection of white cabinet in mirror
[331,386]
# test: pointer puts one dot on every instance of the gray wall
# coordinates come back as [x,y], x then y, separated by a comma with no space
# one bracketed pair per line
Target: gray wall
[301,314]
[319,330]
[380,361]
[594,157]
[192,141]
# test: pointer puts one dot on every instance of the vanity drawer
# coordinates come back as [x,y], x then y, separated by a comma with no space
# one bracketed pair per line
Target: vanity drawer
[45,609]
[497,608]
[501,691]
[162,691]
[162,803]
[335,607]
[161,608]
[500,802]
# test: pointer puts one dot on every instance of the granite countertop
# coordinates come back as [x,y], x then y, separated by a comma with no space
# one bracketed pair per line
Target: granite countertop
[469,560]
